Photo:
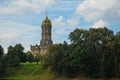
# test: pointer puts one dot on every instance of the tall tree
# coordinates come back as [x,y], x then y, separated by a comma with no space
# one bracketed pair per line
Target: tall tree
[29,57]
[94,53]
[19,51]
[78,37]
[1,51]
[116,54]
[2,62]
[13,59]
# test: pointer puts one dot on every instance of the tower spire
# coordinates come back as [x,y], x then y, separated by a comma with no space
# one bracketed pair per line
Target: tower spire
[46,13]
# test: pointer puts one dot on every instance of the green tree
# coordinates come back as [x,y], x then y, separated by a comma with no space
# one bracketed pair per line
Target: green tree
[29,57]
[13,59]
[93,52]
[97,44]
[116,54]
[1,51]
[78,37]
[58,59]
[19,51]
[2,62]
[84,54]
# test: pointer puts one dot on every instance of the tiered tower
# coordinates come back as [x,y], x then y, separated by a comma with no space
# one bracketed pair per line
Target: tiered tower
[46,33]
[45,39]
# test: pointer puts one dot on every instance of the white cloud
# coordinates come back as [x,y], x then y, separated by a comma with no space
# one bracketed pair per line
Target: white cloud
[70,22]
[63,26]
[94,10]
[66,5]
[22,6]
[12,33]
[118,12]
[61,32]
[99,24]
[58,22]
[73,21]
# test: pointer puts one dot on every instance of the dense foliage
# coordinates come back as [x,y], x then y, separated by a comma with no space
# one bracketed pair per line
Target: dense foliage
[93,53]
[14,56]
[2,62]
[30,57]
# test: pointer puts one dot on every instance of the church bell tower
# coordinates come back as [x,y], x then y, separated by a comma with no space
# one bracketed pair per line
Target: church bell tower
[46,33]
[46,39]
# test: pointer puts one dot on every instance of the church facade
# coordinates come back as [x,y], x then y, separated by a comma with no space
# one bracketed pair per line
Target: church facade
[46,39]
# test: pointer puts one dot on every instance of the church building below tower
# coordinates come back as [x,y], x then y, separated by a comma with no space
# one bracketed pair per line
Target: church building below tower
[45,38]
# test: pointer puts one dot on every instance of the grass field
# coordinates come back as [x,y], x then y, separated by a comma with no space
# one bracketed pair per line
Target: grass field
[34,71]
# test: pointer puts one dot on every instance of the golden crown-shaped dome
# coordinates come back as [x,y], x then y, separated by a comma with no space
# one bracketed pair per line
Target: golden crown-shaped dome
[46,22]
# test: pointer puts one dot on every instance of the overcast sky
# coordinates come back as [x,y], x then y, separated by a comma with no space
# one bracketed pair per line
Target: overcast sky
[20,20]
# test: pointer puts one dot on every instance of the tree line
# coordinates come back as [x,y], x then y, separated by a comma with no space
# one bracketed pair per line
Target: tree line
[92,53]
[15,55]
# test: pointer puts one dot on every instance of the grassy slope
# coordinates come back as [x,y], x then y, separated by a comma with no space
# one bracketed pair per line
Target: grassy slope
[30,71]
[33,71]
